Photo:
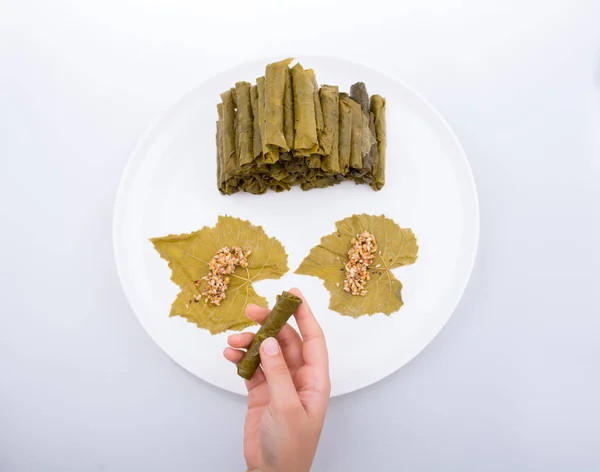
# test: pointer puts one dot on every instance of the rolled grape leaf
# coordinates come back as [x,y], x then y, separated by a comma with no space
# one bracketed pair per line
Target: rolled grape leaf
[319,182]
[279,186]
[233,96]
[227,184]
[378,109]
[356,134]
[310,174]
[285,306]
[374,152]
[396,247]
[305,126]
[260,165]
[256,142]
[368,139]
[358,93]
[270,154]
[329,137]
[277,171]
[292,179]
[285,132]
[345,135]
[296,166]
[316,99]
[318,111]
[238,169]
[231,186]
[188,256]
[229,150]
[219,147]
[286,156]
[245,123]
[288,111]
[364,174]
[314,161]
[275,78]
[254,184]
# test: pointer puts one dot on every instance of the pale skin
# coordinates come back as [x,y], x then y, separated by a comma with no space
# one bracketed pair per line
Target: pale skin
[288,395]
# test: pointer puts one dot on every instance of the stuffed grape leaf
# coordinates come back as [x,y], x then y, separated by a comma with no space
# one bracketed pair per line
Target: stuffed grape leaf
[188,256]
[334,136]
[397,247]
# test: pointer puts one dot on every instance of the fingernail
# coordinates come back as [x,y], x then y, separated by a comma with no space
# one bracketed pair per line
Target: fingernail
[270,346]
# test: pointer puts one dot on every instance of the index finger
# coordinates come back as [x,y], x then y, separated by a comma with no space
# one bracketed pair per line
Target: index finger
[314,348]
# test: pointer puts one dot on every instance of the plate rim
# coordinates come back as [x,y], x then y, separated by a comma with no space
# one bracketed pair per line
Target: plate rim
[136,157]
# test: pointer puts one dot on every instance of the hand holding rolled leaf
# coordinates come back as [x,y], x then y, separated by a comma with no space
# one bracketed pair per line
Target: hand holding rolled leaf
[287,396]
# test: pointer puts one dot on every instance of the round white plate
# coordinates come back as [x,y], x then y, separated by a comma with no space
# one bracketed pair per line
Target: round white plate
[169,187]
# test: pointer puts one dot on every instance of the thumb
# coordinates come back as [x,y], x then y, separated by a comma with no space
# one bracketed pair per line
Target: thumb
[281,387]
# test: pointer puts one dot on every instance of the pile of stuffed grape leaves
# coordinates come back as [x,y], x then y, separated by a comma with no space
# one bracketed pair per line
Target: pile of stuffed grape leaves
[286,131]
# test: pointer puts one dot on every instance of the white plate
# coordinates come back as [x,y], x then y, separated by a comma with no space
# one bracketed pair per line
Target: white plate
[169,187]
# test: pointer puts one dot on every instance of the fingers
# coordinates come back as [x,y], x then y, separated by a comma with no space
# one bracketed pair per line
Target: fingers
[240,341]
[281,387]
[235,356]
[278,359]
[314,349]
[288,337]
[257,313]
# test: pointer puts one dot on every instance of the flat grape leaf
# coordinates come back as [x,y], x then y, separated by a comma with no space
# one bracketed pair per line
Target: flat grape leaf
[397,247]
[188,256]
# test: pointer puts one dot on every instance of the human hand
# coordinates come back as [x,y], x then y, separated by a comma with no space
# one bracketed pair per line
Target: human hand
[287,397]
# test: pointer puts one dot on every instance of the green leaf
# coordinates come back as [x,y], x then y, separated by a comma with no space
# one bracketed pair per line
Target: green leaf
[188,256]
[327,261]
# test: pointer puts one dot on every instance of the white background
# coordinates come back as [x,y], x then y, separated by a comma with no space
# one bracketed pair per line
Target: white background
[512,382]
